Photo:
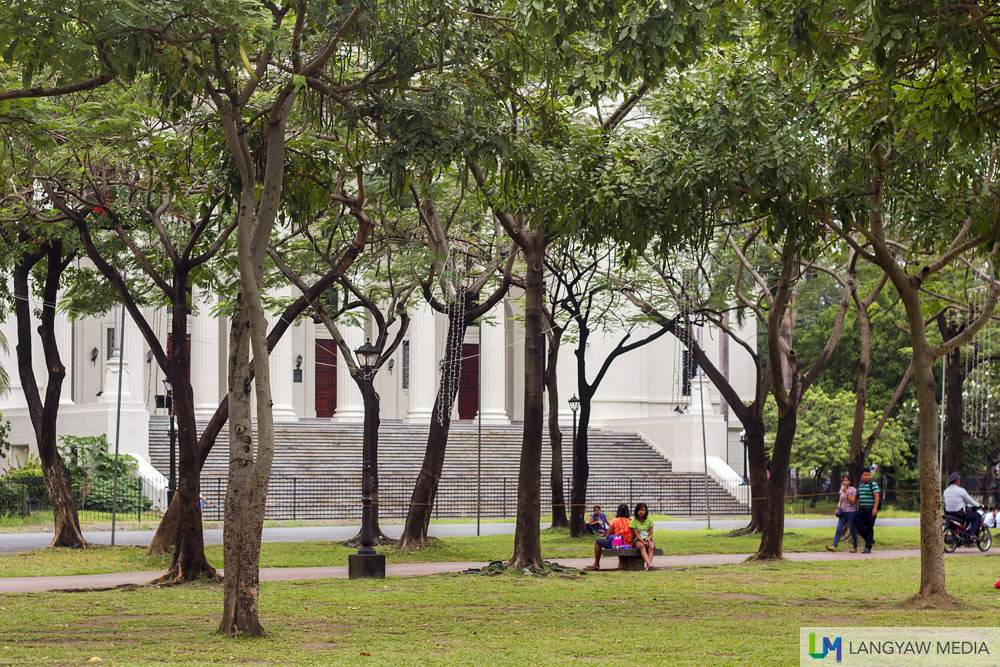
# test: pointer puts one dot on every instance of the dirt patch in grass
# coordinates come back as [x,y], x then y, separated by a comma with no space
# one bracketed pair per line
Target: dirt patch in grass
[732,596]
[321,625]
[104,620]
[931,602]
[318,646]
[834,621]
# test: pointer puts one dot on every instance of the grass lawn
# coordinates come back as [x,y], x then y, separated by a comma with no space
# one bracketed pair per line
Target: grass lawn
[555,544]
[746,614]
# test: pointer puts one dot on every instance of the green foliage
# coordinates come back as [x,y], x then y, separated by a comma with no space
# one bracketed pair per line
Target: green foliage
[20,486]
[4,432]
[824,428]
[91,468]
[890,347]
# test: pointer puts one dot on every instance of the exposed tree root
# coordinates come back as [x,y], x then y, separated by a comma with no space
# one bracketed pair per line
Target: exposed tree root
[932,601]
[498,567]
[174,578]
[745,530]
[381,539]
[761,558]
[415,545]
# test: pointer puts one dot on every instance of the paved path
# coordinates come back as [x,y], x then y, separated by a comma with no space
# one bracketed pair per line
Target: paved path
[36,584]
[16,542]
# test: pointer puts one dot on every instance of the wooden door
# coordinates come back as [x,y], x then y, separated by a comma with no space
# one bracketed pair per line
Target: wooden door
[468,387]
[326,378]
[170,349]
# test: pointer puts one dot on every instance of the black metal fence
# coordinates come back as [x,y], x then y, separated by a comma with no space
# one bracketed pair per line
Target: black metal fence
[136,498]
[340,497]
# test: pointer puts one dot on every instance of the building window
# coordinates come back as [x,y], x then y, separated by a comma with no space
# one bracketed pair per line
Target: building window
[406,364]
[111,348]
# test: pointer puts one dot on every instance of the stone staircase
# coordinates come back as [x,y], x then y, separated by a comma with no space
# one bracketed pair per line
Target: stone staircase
[317,465]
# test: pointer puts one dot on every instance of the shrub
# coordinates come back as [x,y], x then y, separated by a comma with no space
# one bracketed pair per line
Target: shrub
[91,468]
[22,488]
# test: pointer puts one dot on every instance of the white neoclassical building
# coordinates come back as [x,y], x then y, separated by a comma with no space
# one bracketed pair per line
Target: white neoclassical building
[646,391]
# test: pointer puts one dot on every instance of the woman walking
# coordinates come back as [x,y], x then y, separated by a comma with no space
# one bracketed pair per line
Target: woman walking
[847,511]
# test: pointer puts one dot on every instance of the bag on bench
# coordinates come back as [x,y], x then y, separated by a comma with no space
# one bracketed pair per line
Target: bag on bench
[617,542]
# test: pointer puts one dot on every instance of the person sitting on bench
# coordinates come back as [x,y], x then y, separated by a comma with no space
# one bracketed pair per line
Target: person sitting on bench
[598,523]
[642,534]
[620,525]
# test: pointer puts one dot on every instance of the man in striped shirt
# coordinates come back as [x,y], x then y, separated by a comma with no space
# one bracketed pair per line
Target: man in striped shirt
[868,498]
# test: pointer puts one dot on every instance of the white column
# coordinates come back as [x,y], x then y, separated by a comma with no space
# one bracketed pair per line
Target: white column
[135,357]
[423,366]
[117,366]
[204,355]
[350,404]
[493,367]
[282,395]
[64,343]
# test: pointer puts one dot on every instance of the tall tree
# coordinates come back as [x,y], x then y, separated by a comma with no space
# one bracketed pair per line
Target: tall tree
[470,272]
[140,231]
[914,84]
[39,249]
[379,293]
[586,288]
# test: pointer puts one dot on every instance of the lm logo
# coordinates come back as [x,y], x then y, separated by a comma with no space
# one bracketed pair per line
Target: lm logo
[828,646]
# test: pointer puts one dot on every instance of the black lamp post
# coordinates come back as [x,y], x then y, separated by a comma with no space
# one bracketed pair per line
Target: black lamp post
[743,441]
[168,401]
[574,405]
[367,563]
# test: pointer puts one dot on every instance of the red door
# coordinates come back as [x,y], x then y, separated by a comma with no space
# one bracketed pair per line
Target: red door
[326,378]
[468,387]
[170,349]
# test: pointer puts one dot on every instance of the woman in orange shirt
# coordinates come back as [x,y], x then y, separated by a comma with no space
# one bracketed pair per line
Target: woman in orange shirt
[620,525]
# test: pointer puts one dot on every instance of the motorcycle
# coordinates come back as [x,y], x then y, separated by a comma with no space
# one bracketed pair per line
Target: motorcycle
[957,534]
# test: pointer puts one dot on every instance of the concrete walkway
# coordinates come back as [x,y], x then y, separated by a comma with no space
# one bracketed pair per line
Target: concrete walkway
[85,581]
[16,542]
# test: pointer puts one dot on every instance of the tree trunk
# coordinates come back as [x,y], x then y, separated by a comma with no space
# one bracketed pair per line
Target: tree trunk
[418,516]
[787,326]
[855,446]
[932,573]
[167,529]
[189,562]
[773,532]
[527,536]
[43,414]
[556,475]
[244,514]
[581,468]
[954,408]
[757,464]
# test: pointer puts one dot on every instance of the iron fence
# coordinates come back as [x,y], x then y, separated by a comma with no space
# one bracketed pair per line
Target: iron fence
[340,497]
[23,497]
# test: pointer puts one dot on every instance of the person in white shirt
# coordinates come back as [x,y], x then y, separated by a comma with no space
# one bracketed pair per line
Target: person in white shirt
[992,517]
[955,501]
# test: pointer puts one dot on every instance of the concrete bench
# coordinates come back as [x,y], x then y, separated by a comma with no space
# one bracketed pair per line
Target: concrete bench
[629,559]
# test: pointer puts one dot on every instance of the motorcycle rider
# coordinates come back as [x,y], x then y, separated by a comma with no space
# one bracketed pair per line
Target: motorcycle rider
[955,501]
